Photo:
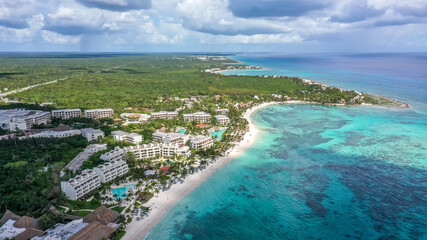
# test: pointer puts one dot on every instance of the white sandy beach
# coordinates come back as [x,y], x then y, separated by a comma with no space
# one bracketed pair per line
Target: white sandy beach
[166,200]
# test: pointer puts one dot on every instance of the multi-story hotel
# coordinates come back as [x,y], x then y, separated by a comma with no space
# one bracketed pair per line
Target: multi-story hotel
[148,151]
[92,134]
[113,155]
[81,185]
[201,142]
[145,151]
[66,113]
[56,134]
[175,149]
[163,115]
[22,119]
[110,170]
[222,111]
[200,117]
[133,138]
[222,119]
[99,113]
[135,117]
[170,137]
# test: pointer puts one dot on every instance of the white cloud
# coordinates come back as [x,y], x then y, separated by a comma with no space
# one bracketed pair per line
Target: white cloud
[214,17]
[188,23]
[55,38]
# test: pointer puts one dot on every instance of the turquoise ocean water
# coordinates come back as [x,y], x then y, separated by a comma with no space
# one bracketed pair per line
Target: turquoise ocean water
[322,172]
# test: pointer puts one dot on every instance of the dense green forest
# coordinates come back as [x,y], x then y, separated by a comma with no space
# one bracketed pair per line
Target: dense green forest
[29,172]
[138,81]
[22,70]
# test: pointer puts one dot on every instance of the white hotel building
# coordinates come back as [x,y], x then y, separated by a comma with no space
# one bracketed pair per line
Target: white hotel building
[222,119]
[22,119]
[110,170]
[174,149]
[91,179]
[133,138]
[113,155]
[56,134]
[222,111]
[201,142]
[170,137]
[145,151]
[81,185]
[200,117]
[164,115]
[148,151]
[92,134]
[66,113]
[99,113]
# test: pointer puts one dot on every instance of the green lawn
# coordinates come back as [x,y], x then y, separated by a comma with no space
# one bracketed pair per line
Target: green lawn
[81,213]
[118,209]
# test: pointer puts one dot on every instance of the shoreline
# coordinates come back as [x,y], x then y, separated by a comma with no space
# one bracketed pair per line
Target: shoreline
[383,101]
[166,200]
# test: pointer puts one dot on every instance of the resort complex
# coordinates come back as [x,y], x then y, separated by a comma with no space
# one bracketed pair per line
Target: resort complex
[164,115]
[99,113]
[22,119]
[66,113]
[200,117]
[111,165]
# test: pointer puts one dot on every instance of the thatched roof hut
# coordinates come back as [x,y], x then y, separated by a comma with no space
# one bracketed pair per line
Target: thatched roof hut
[30,233]
[94,231]
[103,215]
[8,215]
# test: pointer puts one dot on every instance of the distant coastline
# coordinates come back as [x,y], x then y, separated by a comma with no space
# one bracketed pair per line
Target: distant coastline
[379,100]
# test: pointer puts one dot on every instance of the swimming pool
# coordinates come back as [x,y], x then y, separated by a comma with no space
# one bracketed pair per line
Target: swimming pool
[122,190]
[181,130]
[218,134]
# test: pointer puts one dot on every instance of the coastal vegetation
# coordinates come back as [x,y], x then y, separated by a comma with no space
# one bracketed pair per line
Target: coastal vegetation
[30,168]
[29,172]
[139,80]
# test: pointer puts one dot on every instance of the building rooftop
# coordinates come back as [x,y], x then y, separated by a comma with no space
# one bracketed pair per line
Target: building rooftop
[94,231]
[63,231]
[103,215]
[200,138]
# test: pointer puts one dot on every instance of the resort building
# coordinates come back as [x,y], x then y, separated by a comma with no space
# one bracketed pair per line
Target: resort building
[145,151]
[113,155]
[60,131]
[22,119]
[63,231]
[135,117]
[92,134]
[174,149]
[99,224]
[170,137]
[200,117]
[99,113]
[78,161]
[164,115]
[150,172]
[222,111]
[201,142]
[133,138]
[66,113]
[81,185]
[56,134]
[222,119]
[110,170]
[13,226]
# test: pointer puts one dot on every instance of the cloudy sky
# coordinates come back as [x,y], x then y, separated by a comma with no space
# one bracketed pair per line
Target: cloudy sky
[214,25]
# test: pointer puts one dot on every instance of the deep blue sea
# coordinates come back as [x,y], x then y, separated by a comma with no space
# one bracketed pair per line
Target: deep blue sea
[322,172]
